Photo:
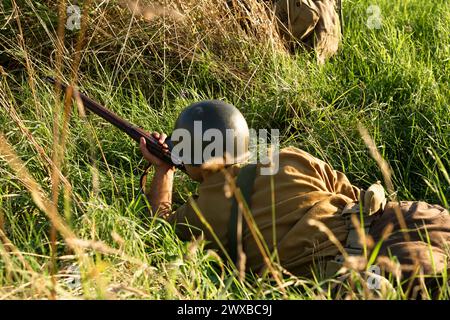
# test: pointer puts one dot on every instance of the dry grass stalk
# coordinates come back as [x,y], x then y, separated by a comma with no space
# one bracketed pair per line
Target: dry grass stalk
[33,187]
[256,234]
[9,246]
[60,140]
[323,228]
[208,226]
[365,240]
[43,203]
[43,157]
[387,175]
[28,64]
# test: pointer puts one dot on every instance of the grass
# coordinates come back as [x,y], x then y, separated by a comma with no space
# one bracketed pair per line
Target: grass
[393,80]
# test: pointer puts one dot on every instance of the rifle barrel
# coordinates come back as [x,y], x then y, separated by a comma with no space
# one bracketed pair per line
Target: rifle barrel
[130,129]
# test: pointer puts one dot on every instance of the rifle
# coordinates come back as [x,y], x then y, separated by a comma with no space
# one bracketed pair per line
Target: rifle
[130,129]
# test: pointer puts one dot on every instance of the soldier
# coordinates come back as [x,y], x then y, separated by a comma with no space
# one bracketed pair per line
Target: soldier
[304,189]
[310,24]
[313,23]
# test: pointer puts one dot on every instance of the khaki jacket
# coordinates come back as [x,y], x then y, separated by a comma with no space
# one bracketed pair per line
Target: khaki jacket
[304,188]
[315,23]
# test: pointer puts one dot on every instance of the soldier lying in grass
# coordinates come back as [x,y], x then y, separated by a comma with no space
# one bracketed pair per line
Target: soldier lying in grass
[313,23]
[293,207]
[308,24]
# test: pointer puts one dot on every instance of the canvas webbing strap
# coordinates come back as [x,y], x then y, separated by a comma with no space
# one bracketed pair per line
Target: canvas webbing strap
[352,246]
[244,182]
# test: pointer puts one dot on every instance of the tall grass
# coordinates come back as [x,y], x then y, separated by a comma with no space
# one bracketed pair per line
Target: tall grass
[146,62]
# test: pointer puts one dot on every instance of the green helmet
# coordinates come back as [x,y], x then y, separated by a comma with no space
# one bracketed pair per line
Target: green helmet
[211,129]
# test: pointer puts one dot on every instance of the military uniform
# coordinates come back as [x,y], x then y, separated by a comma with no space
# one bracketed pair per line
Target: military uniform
[307,188]
[314,23]
[425,242]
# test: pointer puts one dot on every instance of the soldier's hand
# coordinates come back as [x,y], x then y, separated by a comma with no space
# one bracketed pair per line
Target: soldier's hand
[158,163]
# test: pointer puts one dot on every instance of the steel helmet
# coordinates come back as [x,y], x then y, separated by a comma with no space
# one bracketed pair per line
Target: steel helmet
[214,129]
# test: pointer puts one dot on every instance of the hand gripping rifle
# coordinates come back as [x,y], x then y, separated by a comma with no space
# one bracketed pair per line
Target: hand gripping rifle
[131,130]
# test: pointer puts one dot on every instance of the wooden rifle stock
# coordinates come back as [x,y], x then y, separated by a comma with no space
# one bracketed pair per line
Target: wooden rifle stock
[130,129]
